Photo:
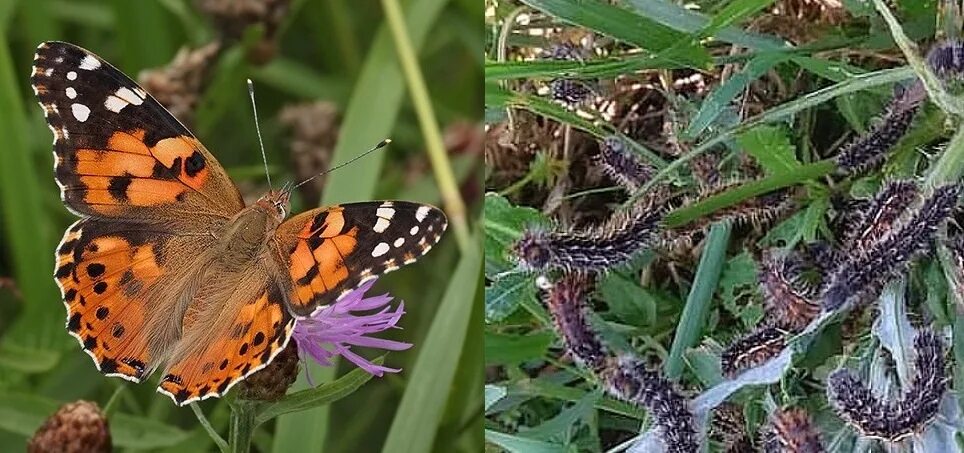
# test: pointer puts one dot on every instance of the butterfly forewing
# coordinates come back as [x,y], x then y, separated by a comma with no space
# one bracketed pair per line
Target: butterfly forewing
[118,152]
[330,251]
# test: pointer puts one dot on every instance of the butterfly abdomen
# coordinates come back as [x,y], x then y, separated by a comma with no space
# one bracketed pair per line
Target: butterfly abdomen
[245,238]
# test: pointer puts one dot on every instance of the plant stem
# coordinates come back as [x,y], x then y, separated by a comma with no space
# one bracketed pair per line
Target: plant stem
[950,166]
[437,154]
[218,440]
[242,426]
[933,85]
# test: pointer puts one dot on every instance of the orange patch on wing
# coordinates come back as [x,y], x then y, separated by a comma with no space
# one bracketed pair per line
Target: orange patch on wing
[101,292]
[234,354]
[331,265]
[140,192]
[168,149]
[129,142]
[100,163]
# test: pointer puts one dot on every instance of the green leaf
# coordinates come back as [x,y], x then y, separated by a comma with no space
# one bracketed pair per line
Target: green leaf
[732,13]
[508,349]
[516,444]
[723,95]
[27,360]
[504,224]
[493,393]
[770,146]
[629,302]
[414,425]
[627,26]
[506,293]
[686,20]
[560,426]
[321,395]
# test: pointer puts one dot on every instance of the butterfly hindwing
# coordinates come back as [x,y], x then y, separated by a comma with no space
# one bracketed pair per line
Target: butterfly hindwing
[330,251]
[209,361]
[118,152]
[115,280]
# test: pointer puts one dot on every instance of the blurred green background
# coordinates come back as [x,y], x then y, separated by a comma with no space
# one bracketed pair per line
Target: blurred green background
[329,86]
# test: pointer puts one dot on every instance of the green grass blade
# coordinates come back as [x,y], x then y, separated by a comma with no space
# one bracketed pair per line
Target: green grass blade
[374,106]
[30,237]
[625,25]
[673,15]
[693,318]
[422,405]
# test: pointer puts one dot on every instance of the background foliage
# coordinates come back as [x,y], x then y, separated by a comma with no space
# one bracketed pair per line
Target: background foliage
[332,50]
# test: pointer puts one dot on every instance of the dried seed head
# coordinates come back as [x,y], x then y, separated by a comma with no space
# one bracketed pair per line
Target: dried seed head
[272,382]
[178,85]
[791,431]
[314,130]
[864,274]
[233,17]
[611,244]
[892,421]
[628,379]
[78,427]
[752,350]
[622,165]
[567,301]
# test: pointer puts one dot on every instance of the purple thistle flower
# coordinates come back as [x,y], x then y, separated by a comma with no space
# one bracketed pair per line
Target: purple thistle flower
[332,330]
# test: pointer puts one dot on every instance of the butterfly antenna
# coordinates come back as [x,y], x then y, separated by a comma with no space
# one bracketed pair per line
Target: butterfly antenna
[380,145]
[257,127]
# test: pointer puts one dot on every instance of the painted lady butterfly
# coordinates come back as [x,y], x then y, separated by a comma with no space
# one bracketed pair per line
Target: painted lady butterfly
[167,268]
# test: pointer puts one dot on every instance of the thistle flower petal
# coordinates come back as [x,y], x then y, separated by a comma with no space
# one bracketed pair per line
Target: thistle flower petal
[333,330]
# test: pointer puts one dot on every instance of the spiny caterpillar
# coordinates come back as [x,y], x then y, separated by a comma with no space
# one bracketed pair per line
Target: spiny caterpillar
[625,377]
[946,59]
[751,350]
[628,379]
[865,272]
[892,421]
[728,428]
[596,249]
[567,303]
[877,218]
[790,302]
[622,165]
[869,151]
[791,431]
[567,91]
[755,211]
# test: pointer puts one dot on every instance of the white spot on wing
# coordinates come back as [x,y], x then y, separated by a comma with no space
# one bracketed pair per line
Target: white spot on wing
[380,249]
[387,213]
[89,63]
[71,75]
[129,96]
[380,225]
[71,92]
[81,112]
[49,72]
[413,231]
[115,104]
[399,242]
[421,213]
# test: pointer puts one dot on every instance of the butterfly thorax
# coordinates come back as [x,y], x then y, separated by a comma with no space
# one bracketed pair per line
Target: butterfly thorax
[245,237]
